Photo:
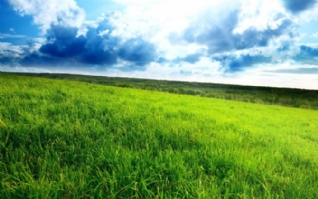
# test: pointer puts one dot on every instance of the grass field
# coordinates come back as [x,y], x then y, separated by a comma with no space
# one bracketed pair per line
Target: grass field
[64,139]
[299,98]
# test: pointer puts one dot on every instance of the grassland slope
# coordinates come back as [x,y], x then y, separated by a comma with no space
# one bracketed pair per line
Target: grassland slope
[64,139]
[290,97]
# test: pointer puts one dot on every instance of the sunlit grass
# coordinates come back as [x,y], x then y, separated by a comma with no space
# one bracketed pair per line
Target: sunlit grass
[63,139]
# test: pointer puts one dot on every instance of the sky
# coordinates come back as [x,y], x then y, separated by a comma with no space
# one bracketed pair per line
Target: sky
[246,42]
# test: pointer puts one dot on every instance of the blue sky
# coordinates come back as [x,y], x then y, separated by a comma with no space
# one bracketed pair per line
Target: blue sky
[248,42]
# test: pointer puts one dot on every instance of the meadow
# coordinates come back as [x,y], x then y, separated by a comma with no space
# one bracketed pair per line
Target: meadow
[291,97]
[68,139]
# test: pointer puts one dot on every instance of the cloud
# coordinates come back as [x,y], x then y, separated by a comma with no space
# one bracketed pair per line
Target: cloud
[98,47]
[315,35]
[39,60]
[124,41]
[62,42]
[4,36]
[46,13]
[241,62]
[10,50]
[221,37]
[157,22]
[216,36]
[307,55]
[312,70]
[137,51]
[211,30]
[186,72]
[6,61]
[26,56]
[297,6]
[191,58]
[65,47]
[10,54]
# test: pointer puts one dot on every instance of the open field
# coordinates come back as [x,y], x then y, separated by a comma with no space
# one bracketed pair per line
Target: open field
[255,94]
[68,139]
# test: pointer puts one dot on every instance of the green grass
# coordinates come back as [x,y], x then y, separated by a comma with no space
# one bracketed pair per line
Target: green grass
[299,98]
[64,139]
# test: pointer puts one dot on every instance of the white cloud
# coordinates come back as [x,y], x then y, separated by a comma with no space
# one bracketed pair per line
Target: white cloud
[201,71]
[45,13]
[156,21]
[315,35]
[159,20]
[163,23]
[10,50]
[166,16]
[308,15]
[259,15]
[208,71]
[3,36]
[20,69]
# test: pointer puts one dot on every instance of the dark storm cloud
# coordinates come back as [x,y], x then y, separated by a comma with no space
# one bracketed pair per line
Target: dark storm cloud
[220,37]
[297,6]
[239,63]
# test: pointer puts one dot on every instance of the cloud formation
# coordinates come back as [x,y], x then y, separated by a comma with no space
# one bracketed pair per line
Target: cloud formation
[307,55]
[62,42]
[48,12]
[299,71]
[3,36]
[221,37]
[200,37]
[241,62]
[192,58]
[38,60]
[137,51]
[65,47]
[297,6]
